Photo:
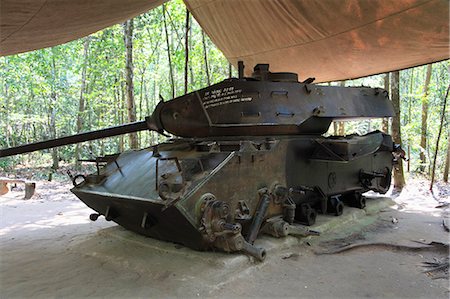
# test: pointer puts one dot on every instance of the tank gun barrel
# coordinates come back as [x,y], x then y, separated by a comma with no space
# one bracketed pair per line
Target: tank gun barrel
[86,136]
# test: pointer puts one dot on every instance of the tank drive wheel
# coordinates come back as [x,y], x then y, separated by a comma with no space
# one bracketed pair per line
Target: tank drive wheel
[307,215]
[385,183]
[335,206]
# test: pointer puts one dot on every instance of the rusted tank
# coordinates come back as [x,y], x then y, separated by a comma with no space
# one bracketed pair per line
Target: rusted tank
[249,158]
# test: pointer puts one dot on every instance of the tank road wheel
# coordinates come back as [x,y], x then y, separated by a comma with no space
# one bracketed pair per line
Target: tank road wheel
[307,215]
[94,216]
[335,206]
[339,208]
[356,200]
[311,216]
[359,201]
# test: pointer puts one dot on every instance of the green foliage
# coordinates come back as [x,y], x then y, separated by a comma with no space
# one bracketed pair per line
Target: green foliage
[6,164]
[412,85]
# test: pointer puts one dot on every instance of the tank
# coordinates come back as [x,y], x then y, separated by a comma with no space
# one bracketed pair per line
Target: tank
[249,157]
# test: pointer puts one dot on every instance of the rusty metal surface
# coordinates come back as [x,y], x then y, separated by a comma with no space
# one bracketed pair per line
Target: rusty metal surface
[103,133]
[258,106]
[254,161]
[222,194]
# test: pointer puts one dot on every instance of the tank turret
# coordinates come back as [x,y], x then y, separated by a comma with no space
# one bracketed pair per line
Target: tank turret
[267,104]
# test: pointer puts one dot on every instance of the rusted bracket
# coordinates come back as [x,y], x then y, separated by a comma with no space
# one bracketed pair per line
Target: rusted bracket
[171,201]
[177,162]
[259,217]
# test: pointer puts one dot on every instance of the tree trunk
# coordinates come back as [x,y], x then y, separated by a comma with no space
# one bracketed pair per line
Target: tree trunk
[341,124]
[423,134]
[447,159]
[341,128]
[399,179]
[141,95]
[131,108]
[230,70]
[172,83]
[81,105]
[54,151]
[433,171]
[410,99]
[192,81]
[117,115]
[122,100]
[141,99]
[7,109]
[52,111]
[385,123]
[186,53]
[335,128]
[205,56]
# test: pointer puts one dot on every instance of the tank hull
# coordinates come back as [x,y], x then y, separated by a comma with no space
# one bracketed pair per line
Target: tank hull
[206,193]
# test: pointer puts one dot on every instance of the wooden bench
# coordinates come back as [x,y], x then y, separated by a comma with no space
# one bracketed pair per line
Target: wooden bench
[30,187]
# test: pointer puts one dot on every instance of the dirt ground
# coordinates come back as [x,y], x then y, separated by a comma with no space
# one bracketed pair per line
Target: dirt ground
[50,248]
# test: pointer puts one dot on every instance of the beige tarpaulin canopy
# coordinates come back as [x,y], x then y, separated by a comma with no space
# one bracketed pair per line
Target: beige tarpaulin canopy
[27,25]
[326,39]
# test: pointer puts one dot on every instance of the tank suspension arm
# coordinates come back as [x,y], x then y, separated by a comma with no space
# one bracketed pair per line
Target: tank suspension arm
[103,133]
[258,218]
[258,253]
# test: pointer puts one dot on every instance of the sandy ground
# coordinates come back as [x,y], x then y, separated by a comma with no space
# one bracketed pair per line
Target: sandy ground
[49,248]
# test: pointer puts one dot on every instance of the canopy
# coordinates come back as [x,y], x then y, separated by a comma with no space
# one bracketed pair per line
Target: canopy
[327,39]
[27,25]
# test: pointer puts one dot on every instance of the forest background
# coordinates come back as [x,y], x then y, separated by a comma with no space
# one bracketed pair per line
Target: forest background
[118,75]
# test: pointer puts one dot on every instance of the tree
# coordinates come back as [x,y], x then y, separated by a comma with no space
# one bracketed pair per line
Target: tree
[423,138]
[447,158]
[385,122]
[172,83]
[7,109]
[52,110]
[410,100]
[186,52]
[81,104]
[341,124]
[399,179]
[444,104]
[131,108]
[205,55]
